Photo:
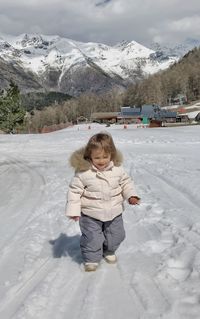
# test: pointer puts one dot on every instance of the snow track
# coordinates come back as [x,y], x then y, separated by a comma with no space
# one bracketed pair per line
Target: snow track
[158,270]
[20,195]
[18,294]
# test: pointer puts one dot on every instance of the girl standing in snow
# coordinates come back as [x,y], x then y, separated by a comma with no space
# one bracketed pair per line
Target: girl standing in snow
[95,198]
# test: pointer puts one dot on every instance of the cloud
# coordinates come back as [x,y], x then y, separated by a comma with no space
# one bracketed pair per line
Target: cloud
[102,3]
[186,24]
[106,21]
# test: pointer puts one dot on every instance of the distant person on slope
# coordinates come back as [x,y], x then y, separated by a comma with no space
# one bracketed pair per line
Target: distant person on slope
[95,198]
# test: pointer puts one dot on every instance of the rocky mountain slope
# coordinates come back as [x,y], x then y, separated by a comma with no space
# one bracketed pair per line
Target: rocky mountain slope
[178,50]
[51,63]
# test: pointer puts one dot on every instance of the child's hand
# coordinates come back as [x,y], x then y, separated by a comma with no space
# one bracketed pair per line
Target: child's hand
[134,200]
[75,218]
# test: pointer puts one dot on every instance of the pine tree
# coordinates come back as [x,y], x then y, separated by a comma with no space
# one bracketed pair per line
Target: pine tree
[11,112]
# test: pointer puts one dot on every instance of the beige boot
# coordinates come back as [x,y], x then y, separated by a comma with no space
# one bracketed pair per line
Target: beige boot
[90,266]
[110,259]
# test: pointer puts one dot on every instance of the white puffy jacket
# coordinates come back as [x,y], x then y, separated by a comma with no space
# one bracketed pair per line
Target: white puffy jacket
[99,194]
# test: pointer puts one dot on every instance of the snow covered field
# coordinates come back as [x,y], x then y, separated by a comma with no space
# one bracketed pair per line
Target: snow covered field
[158,270]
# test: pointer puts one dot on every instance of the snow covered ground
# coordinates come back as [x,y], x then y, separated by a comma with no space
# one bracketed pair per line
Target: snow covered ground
[158,270]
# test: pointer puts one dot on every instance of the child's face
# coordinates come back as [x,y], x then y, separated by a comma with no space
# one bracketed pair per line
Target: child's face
[100,159]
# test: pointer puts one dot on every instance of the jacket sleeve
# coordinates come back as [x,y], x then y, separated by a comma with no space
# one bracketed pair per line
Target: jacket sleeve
[127,185]
[73,205]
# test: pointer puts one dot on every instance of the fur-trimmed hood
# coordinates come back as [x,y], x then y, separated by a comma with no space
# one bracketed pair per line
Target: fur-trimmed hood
[79,164]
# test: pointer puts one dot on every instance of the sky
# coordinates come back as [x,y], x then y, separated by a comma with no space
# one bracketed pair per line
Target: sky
[158,270]
[104,21]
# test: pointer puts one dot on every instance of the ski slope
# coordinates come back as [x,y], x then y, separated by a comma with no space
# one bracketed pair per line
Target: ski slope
[158,270]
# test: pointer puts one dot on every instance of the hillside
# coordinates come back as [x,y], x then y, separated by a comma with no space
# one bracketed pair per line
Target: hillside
[182,78]
[39,100]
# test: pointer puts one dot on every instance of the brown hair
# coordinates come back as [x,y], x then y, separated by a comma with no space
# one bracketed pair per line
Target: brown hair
[103,141]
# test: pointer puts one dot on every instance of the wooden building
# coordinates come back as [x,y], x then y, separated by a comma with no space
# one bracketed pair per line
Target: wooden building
[104,117]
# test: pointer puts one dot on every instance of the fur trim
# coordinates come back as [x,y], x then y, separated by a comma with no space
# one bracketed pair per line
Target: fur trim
[80,164]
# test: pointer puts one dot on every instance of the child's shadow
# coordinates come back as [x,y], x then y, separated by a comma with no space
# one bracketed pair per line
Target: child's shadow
[67,246]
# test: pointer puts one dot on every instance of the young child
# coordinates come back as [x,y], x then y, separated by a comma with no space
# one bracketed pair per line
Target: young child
[95,198]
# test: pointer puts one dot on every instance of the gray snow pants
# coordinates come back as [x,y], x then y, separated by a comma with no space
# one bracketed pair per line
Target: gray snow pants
[100,237]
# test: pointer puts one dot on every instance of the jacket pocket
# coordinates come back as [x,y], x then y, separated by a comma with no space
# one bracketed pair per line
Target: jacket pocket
[92,195]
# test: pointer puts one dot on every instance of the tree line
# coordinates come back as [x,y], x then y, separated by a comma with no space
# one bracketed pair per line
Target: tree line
[69,111]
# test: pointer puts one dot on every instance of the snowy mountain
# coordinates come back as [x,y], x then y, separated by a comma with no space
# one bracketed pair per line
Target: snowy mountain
[72,67]
[178,50]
